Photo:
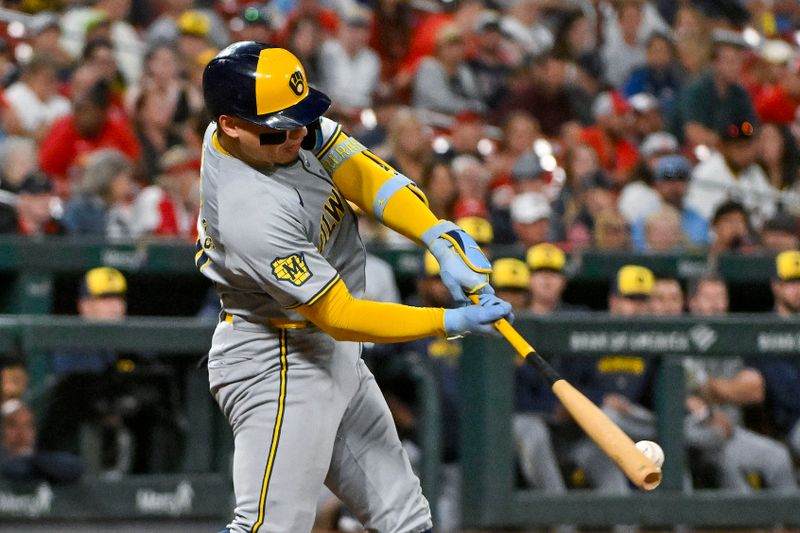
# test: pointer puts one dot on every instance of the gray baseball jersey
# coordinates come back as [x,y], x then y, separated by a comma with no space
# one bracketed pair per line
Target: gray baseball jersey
[303,407]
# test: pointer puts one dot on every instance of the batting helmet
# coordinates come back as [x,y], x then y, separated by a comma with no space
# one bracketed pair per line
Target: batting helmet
[261,84]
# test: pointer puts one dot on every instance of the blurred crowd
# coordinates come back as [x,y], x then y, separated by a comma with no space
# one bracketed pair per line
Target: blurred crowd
[610,124]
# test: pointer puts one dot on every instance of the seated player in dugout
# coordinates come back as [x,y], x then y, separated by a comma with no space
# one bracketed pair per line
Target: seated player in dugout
[280,242]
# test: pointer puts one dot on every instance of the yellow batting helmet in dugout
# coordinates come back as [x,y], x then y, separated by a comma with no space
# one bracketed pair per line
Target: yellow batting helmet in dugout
[261,84]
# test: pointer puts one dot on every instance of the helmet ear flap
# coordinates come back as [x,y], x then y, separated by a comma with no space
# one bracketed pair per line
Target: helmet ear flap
[314,136]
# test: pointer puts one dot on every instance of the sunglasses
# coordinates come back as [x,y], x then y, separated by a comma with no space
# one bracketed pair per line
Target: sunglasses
[277,137]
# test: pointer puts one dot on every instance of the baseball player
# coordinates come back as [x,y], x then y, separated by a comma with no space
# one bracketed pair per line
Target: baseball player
[279,240]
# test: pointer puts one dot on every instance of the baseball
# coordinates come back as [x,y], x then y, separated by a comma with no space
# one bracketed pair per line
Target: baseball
[652,451]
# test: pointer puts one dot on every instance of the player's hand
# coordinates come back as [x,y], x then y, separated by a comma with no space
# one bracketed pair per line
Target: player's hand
[477,318]
[464,267]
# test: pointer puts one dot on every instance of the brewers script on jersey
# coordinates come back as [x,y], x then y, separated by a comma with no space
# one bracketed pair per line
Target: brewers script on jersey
[272,240]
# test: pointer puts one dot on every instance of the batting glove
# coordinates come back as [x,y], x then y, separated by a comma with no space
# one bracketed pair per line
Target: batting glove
[464,267]
[477,318]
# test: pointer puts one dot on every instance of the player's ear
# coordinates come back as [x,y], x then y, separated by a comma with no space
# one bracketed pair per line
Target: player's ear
[229,126]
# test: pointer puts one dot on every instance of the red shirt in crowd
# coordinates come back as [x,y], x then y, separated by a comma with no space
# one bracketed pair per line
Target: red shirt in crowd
[63,148]
[616,157]
[774,105]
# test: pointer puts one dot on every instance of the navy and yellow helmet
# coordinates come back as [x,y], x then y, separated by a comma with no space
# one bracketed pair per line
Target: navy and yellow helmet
[262,84]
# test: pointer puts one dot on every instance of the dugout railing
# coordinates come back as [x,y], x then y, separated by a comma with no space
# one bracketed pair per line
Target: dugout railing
[491,499]
[201,488]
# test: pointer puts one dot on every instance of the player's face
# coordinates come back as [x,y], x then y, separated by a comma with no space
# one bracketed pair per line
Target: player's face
[787,296]
[259,145]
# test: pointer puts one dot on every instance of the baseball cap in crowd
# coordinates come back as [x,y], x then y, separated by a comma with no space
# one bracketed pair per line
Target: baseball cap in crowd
[478,228]
[103,281]
[644,102]
[527,166]
[36,183]
[545,256]
[609,103]
[787,265]
[659,143]
[724,37]
[509,273]
[672,167]
[194,23]
[634,281]
[529,207]
[737,129]
[776,51]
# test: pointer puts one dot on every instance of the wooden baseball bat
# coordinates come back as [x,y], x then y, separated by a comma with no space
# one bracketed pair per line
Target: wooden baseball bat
[594,422]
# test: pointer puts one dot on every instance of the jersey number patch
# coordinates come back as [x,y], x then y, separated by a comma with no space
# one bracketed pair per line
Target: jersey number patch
[292,269]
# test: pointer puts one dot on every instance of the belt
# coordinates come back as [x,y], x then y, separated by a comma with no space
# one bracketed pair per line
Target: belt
[279,323]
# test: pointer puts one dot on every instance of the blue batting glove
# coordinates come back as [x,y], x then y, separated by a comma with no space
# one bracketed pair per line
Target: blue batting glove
[464,267]
[477,318]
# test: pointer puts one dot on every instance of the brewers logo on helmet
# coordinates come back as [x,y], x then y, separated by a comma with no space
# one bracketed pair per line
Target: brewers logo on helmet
[261,84]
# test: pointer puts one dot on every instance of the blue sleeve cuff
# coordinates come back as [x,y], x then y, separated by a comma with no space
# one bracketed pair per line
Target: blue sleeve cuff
[437,229]
[387,190]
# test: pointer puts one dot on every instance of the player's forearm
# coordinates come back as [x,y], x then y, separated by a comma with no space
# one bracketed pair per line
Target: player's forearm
[348,319]
[376,188]
[746,387]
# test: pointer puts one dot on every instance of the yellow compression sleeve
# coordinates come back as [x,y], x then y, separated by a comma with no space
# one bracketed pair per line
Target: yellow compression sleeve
[361,176]
[346,318]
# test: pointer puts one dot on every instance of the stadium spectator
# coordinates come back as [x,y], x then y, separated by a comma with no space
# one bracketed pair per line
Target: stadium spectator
[610,136]
[780,378]
[21,461]
[391,37]
[667,297]
[523,24]
[611,231]
[102,204]
[539,87]
[580,164]
[34,99]
[663,232]
[718,387]
[439,184]
[408,144]
[732,173]
[781,233]
[193,39]
[45,40]
[166,28]
[98,55]
[490,61]
[472,182]
[659,75]
[348,57]
[36,209]
[596,196]
[527,175]
[779,157]
[304,38]
[445,83]
[467,130]
[779,99]
[624,51]
[127,46]
[575,37]
[168,208]
[156,131]
[670,182]
[88,128]
[162,74]
[14,379]
[716,99]
[530,218]
[648,116]
[520,130]
[547,280]
[511,280]
[730,229]
[18,157]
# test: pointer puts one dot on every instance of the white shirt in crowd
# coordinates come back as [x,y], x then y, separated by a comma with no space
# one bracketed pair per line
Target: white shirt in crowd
[339,70]
[713,182]
[32,112]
